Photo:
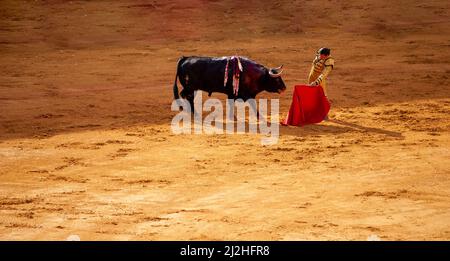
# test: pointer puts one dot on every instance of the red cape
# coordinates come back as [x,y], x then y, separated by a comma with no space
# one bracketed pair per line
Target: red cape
[309,105]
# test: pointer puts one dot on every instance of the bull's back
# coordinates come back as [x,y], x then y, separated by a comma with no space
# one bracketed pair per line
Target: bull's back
[204,73]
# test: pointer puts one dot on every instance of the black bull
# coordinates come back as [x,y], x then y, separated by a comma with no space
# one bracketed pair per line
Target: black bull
[207,74]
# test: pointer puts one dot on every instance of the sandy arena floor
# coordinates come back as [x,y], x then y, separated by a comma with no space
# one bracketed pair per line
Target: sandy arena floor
[86,146]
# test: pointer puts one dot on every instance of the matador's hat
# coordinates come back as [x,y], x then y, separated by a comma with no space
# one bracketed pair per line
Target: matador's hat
[324,50]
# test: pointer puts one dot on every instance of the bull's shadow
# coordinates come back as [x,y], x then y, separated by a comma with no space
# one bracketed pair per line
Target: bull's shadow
[338,127]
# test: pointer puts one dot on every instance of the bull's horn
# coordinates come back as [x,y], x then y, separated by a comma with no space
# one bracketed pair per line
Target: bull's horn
[276,72]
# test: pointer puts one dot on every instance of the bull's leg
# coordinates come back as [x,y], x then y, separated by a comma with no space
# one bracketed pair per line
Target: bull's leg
[190,99]
[183,93]
[188,94]
[197,114]
[230,108]
[253,107]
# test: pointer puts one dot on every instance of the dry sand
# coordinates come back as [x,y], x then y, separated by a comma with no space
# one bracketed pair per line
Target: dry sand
[86,147]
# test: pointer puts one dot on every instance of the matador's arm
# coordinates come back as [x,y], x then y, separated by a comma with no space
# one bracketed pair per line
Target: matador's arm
[311,72]
[329,65]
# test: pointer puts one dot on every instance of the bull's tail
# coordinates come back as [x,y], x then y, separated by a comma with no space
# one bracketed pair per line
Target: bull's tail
[175,86]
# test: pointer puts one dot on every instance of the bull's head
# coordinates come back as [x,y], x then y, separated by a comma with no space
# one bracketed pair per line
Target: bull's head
[274,83]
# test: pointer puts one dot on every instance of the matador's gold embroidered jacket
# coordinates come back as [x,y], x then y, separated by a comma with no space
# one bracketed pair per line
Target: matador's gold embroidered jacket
[319,71]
